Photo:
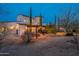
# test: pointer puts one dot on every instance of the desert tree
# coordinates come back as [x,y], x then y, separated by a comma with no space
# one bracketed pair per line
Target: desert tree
[69,20]
[71,23]
[27,34]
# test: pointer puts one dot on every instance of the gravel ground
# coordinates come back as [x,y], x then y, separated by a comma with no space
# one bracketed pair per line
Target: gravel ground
[47,45]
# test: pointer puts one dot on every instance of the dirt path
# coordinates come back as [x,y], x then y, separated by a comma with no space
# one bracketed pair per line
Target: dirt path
[48,45]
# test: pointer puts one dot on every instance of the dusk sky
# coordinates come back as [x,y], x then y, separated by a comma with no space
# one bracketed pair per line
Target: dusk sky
[9,12]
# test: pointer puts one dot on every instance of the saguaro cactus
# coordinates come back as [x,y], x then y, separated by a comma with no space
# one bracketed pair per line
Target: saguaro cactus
[55,24]
[30,19]
[40,20]
[58,24]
